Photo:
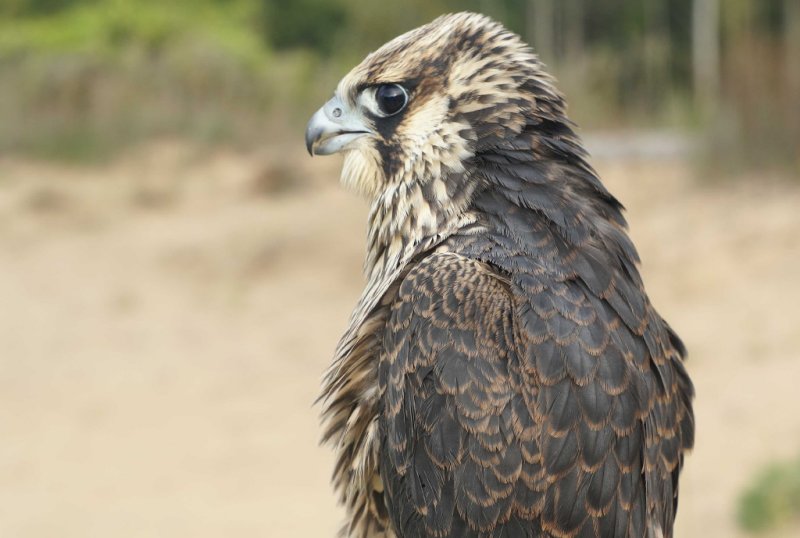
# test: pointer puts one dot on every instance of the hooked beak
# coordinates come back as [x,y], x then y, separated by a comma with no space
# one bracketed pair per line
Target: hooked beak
[333,128]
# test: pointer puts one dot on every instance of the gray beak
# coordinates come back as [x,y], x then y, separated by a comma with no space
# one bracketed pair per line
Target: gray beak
[333,128]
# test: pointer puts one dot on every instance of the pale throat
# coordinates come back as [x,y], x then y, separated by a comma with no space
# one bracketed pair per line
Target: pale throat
[423,201]
[412,215]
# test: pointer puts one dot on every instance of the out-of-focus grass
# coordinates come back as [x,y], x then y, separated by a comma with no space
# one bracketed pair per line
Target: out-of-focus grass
[772,499]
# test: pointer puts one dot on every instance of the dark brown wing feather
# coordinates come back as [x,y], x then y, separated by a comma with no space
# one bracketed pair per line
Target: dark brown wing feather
[524,412]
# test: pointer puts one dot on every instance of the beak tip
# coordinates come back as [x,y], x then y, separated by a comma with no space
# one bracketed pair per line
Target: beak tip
[310,139]
[332,133]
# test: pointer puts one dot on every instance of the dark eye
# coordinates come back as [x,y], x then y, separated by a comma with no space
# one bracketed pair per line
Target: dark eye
[391,98]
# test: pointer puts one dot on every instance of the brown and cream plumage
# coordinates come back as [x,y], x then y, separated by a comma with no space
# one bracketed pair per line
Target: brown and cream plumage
[504,373]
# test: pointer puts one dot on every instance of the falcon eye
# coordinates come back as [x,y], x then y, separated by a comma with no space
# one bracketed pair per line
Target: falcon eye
[391,98]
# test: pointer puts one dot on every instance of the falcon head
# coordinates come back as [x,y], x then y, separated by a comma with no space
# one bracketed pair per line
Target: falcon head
[442,113]
[422,105]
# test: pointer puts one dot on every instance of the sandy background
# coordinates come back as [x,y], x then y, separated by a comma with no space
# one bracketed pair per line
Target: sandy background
[165,321]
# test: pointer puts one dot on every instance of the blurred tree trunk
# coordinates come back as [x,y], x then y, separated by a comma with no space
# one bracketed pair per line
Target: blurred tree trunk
[705,51]
[656,50]
[574,17]
[792,46]
[540,25]
[791,60]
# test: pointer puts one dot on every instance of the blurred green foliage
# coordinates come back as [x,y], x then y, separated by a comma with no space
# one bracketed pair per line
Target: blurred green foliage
[288,24]
[772,499]
[83,78]
[109,27]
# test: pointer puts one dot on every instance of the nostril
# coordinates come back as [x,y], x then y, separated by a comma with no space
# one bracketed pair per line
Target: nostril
[337,112]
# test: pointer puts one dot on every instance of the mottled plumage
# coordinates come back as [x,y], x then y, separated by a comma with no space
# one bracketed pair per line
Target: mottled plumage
[504,373]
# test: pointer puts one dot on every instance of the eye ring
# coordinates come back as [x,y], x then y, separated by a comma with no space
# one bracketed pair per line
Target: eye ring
[390,99]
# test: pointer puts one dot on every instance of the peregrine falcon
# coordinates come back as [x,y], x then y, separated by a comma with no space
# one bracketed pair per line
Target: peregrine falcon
[504,373]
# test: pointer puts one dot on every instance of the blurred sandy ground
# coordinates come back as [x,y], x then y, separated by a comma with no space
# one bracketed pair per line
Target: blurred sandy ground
[166,319]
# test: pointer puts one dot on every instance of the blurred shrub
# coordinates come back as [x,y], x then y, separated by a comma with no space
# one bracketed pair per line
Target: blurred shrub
[108,26]
[772,499]
[86,80]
